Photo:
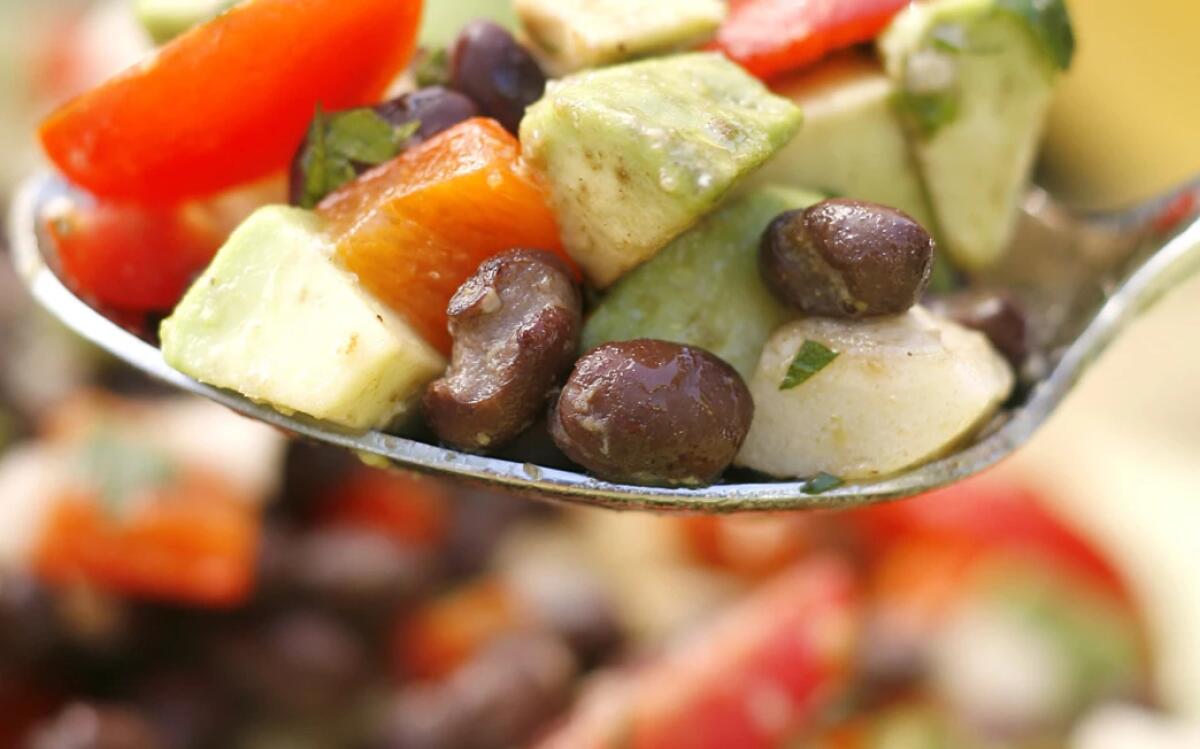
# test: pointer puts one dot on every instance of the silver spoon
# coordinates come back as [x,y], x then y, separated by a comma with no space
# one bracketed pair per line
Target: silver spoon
[1082,279]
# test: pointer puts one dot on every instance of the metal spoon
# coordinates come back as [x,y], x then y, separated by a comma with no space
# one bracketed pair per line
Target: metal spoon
[1081,278]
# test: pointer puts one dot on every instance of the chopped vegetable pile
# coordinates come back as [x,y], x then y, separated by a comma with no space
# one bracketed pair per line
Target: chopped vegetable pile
[651,240]
[175,577]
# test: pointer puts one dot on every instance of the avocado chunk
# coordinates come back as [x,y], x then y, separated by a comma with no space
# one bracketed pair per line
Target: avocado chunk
[166,19]
[704,289]
[275,319]
[636,154]
[573,35]
[444,19]
[975,81]
[852,144]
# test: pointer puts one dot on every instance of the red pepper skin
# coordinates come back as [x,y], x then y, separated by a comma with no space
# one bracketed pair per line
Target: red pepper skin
[769,37]
[229,101]
[761,673]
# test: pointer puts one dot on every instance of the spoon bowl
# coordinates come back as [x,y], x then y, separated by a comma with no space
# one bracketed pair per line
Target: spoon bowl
[1081,278]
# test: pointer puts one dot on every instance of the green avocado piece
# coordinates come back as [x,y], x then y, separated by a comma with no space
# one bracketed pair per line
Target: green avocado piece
[166,19]
[975,80]
[636,154]
[573,35]
[444,19]
[276,320]
[704,289]
[852,144]
[1093,635]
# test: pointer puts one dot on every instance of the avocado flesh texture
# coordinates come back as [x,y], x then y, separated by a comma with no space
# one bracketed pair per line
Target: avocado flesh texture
[166,19]
[443,20]
[704,289]
[995,93]
[853,144]
[634,155]
[275,319]
[573,35]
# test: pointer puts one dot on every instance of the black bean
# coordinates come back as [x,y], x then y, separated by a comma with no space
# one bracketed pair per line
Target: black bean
[847,258]
[500,699]
[436,108]
[653,413]
[498,73]
[996,314]
[300,661]
[27,621]
[571,602]
[88,726]
[359,571]
[516,325]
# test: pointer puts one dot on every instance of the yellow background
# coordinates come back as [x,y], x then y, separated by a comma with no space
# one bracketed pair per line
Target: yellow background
[1124,454]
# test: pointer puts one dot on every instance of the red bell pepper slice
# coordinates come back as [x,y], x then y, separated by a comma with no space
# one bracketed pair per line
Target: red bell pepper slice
[761,673]
[133,258]
[769,37]
[984,515]
[230,100]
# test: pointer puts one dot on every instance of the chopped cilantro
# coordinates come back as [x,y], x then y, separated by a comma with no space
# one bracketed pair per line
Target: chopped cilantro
[811,359]
[1051,26]
[336,143]
[433,69]
[948,37]
[930,112]
[821,483]
[119,468]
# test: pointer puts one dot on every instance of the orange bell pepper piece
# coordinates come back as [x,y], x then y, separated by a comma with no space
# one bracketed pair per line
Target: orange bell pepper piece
[230,100]
[192,541]
[417,227]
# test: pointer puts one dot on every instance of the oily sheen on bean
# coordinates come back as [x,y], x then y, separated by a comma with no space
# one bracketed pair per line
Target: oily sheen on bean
[652,412]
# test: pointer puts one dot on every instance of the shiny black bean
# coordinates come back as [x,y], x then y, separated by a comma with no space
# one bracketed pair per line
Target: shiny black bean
[498,73]
[359,571]
[436,108]
[847,258]
[298,662]
[653,413]
[501,699]
[996,314]
[572,603]
[27,621]
[188,711]
[516,325]
[89,726]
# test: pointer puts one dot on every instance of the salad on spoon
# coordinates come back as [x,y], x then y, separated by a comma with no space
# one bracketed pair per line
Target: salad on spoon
[665,246]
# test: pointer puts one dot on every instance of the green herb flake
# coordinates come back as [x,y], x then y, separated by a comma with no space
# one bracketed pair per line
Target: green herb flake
[811,359]
[120,468]
[337,142]
[361,135]
[433,68]
[948,37]
[1050,23]
[821,483]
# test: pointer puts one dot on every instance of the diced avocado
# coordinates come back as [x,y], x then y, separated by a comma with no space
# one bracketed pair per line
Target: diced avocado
[275,319]
[636,154]
[852,144]
[975,80]
[704,289]
[444,19]
[573,35]
[166,19]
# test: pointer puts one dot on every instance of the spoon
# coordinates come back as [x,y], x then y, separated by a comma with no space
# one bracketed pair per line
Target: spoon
[1081,278]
